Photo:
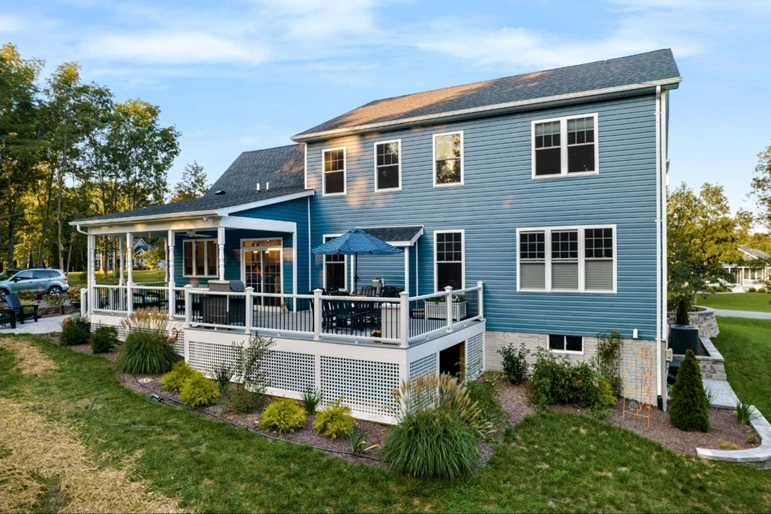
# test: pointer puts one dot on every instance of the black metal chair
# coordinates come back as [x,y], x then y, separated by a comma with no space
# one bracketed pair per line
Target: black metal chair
[22,311]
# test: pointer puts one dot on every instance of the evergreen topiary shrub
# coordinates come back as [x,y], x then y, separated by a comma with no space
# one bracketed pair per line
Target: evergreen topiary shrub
[688,410]
[283,416]
[175,379]
[335,421]
[104,339]
[198,391]
[75,330]
[683,306]
[146,352]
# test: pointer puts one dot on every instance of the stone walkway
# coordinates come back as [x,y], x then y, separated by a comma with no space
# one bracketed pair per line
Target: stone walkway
[743,314]
[42,326]
[724,396]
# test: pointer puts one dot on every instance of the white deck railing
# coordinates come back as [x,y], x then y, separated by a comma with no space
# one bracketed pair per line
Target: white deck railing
[358,319]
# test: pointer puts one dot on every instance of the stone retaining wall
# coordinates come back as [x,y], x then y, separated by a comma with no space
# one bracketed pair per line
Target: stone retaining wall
[704,320]
[712,365]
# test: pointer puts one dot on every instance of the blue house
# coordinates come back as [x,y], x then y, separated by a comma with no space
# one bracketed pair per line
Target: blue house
[530,210]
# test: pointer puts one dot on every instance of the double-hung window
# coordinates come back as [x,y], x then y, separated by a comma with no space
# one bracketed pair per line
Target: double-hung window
[567,259]
[565,146]
[449,259]
[335,269]
[334,171]
[388,165]
[199,258]
[448,159]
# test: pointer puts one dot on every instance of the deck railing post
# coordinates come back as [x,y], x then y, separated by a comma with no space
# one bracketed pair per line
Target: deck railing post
[404,317]
[188,306]
[481,307]
[317,314]
[83,300]
[249,292]
[129,297]
[448,290]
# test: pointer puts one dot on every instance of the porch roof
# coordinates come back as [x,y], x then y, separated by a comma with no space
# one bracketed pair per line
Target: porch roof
[396,236]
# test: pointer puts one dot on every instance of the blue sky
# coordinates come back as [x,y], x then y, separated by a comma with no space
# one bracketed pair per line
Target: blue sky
[242,75]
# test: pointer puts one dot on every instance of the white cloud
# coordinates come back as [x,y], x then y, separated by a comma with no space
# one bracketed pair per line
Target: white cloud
[171,48]
[10,23]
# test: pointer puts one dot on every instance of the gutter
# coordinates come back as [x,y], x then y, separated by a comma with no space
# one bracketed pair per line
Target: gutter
[502,108]
[132,219]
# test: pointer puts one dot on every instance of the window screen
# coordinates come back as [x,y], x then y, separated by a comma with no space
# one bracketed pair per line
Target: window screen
[532,255]
[564,260]
[598,250]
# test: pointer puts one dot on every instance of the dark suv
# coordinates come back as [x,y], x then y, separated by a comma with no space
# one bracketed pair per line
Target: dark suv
[39,280]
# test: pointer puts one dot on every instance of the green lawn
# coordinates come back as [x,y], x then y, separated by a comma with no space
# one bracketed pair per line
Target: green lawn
[746,347]
[78,278]
[211,466]
[758,302]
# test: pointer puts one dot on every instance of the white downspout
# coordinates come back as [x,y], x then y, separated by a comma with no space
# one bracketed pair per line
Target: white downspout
[658,243]
[664,253]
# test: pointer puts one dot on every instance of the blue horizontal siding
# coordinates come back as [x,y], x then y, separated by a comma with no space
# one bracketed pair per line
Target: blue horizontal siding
[500,196]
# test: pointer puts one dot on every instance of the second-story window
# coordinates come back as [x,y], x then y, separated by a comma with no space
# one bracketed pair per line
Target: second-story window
[388,165]
[449,256]
[448,159]
[334,171]
[565,146]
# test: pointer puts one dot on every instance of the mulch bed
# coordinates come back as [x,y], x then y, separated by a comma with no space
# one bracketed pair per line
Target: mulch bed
[307,436]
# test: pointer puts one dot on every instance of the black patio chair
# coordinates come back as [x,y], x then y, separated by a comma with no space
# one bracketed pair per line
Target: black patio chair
[22,311]
[8,317]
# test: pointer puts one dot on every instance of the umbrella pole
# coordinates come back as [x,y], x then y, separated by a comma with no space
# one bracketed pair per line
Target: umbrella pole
[355,273]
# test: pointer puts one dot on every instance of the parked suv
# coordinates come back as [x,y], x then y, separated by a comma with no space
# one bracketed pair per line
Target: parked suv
[39,280]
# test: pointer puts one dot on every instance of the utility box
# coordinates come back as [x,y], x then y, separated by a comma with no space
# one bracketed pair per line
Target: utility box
[682,338]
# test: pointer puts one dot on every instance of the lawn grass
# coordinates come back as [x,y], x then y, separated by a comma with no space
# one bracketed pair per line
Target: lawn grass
[78,278]
[758,302]
[746,347]
[211,466]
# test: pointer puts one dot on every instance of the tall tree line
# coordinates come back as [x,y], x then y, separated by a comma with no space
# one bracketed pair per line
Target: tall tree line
[68,150]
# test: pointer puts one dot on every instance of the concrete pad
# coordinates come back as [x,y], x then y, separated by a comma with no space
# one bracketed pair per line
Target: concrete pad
[42,326]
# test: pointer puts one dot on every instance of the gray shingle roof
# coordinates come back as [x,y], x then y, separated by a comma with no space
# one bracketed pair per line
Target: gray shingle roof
[755,253]
[281,166]
[393,234]
[624,71]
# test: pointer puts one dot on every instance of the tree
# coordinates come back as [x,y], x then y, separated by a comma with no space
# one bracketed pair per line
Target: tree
[192,185]
[761,187]
[689,409]
[701,235]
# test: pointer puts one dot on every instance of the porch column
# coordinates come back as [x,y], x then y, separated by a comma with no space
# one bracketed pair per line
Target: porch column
[170,272]
[407,269]
[90,275]
[130,265]
[121,248]
[221,246]
[294,270]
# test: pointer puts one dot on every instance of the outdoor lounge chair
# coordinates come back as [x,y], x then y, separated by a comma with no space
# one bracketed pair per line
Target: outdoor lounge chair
[22,311]
[8,316]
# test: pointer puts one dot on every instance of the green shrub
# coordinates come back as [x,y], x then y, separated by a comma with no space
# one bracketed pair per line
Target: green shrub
[198,391]
[104,339]
[485,395]
[431,443]
[241,400]
[283,416]
[175,379]
[720,289]
[709,289]
[557,380]
[762,290]
[605,391]
[514,363]
[26,296]
[335,421]
[311,400]
[752,290]
[222,375]
[683,306]
[744,414]
[688,410]
[75,330]
[146,352]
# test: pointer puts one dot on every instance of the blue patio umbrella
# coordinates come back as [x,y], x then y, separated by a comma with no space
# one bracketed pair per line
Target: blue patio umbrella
[355,242]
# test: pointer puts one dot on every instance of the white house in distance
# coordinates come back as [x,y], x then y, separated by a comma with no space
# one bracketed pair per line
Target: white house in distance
[748,274]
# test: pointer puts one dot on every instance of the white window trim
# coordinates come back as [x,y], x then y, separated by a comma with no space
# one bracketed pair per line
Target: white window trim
[324,263]
[564,146]
[324,173]
[565,352]
[462,160]
[374,159]
[205,257]
[463,256]
[581,259]
[261,248]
